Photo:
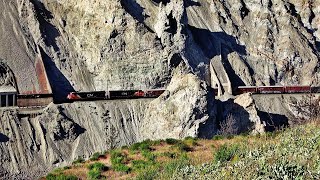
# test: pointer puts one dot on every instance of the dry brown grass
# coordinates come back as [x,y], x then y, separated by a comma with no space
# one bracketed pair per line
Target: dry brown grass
[201,152]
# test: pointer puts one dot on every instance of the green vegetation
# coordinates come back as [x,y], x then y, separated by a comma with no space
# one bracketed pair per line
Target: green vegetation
[96,156]
[118,161]
[171,141]
[225,153]
[60,177]
[78,161]
[292,153]
[95,170]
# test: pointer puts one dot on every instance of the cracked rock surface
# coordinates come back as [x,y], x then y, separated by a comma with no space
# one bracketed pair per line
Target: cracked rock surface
[91,45]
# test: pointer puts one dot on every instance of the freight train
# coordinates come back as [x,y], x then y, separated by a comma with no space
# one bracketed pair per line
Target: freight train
[122,94]
[275,89]
[32,100]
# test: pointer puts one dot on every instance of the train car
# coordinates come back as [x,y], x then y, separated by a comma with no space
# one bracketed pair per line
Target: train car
[124,94]
[246,89]
[153,93]
[34,100]
[297,89]
[139,93]
[94,95]
[271,89]
[315,89]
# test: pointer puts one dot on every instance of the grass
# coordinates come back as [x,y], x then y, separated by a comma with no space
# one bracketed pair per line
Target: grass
[118,160]
[226,153]
[95,170]
[292,153]
[96,156]
[60,177]
[79,160]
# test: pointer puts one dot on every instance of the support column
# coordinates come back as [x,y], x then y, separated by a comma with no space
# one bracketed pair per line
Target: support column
[14,100]
[7,100]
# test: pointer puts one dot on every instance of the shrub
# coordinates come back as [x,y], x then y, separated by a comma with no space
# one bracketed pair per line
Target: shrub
[96,156]
[117,160]
[144,145]
[66,167]
[171,141]
[218,137]
[122,168]
[225,153]
[170,154]
[148,155]
[78,161]
[95,170]
[98,166]
[117,157]
[174,165]
[182,147]
[60,177]
[191,141]
[228,126]
[94,174]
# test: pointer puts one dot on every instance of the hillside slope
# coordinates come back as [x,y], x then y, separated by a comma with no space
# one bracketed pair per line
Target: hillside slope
[292,153]
[185,46]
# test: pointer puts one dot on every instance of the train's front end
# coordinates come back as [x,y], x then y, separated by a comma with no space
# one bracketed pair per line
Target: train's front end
[73,96]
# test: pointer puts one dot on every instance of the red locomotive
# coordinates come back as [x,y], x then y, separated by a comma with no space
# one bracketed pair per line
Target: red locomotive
[121,94]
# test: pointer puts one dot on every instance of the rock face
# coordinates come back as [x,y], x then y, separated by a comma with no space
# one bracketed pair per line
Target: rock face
[248,104]
[240,115]
[30,147]
[181,111]
[139,44]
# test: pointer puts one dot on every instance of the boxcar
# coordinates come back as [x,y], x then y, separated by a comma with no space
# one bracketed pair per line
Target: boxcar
[153,93]
[271,89]
[94,95]
[123,94]
[315,89]
[32,100]
[297,89]
[246,89]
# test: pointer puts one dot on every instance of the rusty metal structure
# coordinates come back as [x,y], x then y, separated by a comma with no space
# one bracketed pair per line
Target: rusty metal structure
[37,97]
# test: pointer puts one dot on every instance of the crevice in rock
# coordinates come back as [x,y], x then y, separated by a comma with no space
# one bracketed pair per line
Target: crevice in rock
[244,10]
[175,60]
[270,4]
[164,2]
[173,25]
[312,16]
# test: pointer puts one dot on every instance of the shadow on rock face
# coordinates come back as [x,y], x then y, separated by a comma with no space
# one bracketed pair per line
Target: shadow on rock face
[189,3]
[214,44]
[318,45]
[235,116]
[67,130]
[59,83]
[211,42]
[273,121]
[3,138]
[134,9]
[49,32]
